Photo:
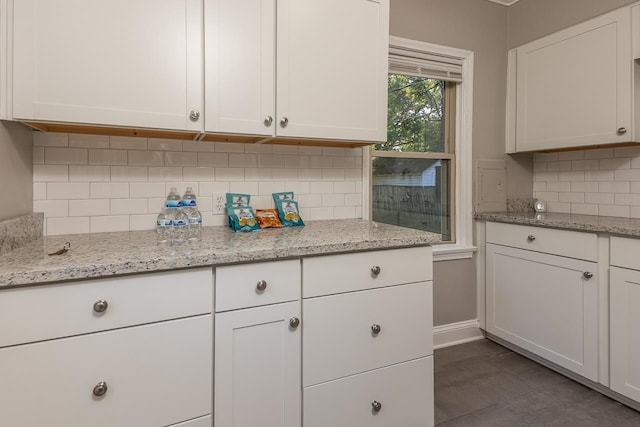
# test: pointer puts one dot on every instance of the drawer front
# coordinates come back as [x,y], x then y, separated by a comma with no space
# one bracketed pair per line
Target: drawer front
[53,311]
[624,252]
[156,375]
[198,422]
[573,244]
[338,330]
[334,274]
[404,392]
[252,285]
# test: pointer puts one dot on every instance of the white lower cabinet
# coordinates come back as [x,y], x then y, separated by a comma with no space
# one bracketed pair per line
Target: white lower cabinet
[257,367]
[145,376]
[198,422]
[397,396]
[546,304]
[625,335]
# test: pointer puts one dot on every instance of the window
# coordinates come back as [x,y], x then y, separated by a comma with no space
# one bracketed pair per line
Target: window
[421,177]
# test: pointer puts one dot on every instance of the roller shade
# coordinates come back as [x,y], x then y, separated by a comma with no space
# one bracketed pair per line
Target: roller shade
[403,60]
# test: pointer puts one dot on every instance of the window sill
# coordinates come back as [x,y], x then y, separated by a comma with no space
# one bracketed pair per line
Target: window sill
[452,252]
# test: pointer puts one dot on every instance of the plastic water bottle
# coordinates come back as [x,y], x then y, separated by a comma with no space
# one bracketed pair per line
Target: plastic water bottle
[163,227]
[178,218]
[194,218]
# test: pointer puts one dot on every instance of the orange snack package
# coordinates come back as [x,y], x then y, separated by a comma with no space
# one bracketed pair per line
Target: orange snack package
[268,218]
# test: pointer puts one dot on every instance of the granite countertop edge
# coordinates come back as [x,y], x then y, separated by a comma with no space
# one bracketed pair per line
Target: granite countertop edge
[122,253]
[626,227]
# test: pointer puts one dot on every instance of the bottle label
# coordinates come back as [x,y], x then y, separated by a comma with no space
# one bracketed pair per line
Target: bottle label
[173,203]
[163,223]
[179,223]
[189,203]
[195,221]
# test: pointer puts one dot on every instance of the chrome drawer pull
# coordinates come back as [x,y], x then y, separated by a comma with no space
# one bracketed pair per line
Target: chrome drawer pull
[587,275]
[100,389]
[531,237]
[294,322]
[262,285]
[376,406]
[100,306]
[375,270]
[375,329]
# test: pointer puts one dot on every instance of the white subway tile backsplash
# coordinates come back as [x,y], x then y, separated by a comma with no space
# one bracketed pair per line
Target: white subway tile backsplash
[627,199]
[559,207]
[165,174]
[634,212]
[571,155]
[599,198]
[120,183]
[546,176]
[602,153]
[558,186]
[627,175]
[174,158]
[67,190]
[127,143]
[91,207]
[129,173]
[129,206]
[634,187]
[570,197]
[109,190]
[558,166]
[104,224]
[585,165]
[613,187]
[68,225]
[65,156]
[601,175]
[547,196]
[50,173]
[572,176]
[38,155]
[89,173]
[45,139]
[107,157]
[626,152]
[612,210]
[52,208]
[545,157]
[88,141]
[164,144]
[615,164]
[539,186]
[584,187]
[584,209]
[147,189]
[145,158]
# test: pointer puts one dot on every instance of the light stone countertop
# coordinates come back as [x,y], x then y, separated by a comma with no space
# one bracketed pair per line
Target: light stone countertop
[108,254]
[589,223]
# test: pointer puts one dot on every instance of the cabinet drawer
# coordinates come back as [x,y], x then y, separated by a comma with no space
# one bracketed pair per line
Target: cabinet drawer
[338,330]
[241,286]
[573,244]
[156,375]
[404,391]
[52,311]
[334,274]
[624,252]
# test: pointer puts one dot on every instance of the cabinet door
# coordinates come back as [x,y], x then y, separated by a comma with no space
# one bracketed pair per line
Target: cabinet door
[156,375]
[403,391]
[257,367]
[574,87]
[240,66]
[332,69]
[118,62]
[545,304]
[624,315]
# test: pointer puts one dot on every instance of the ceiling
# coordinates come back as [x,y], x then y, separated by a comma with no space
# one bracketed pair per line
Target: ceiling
[505,2]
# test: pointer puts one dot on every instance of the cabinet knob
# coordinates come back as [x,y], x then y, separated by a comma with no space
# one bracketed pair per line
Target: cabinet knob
[100,389]
[262,285]
[375,270]
[531,237]
[375,329]
[284,122]
[376,406]
[194,115]
[294,322]
[587,275]
[100,306]
[622,131]
[268,120]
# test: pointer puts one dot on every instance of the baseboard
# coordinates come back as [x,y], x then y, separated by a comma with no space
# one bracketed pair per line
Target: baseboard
[456,333]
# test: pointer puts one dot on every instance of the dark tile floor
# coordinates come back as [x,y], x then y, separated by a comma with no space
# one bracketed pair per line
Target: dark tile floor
[484,384]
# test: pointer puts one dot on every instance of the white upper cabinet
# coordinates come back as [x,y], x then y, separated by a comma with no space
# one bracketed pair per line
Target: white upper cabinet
[120,62]
[573,88]
[320,72]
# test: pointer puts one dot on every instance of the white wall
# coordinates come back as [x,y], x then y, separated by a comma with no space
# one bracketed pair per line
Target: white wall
[15,170]
[90,183]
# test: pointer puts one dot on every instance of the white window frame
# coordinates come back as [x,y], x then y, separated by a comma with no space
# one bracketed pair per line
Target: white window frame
[463,247]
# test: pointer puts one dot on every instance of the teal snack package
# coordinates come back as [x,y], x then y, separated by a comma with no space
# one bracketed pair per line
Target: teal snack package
[289,213]
[242,218]
[238,199]
[285,195]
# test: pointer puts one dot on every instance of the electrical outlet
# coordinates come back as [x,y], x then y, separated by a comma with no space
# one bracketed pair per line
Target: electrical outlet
[218,208]
[218,199]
